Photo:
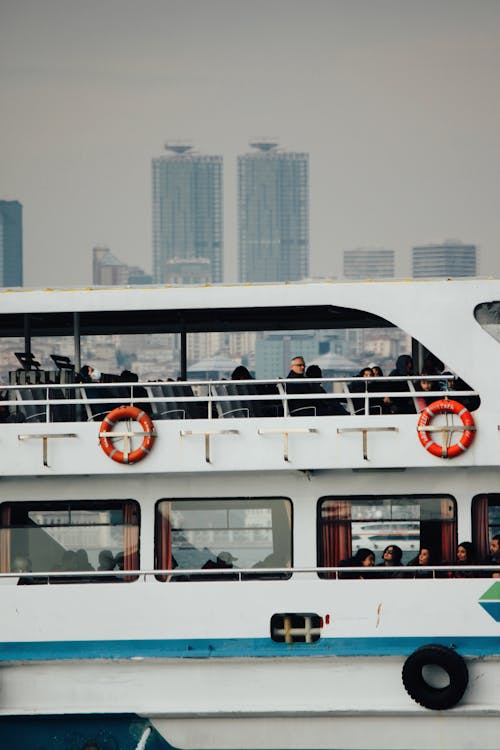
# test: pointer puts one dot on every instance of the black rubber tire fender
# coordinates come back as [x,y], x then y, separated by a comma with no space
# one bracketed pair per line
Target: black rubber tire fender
[438,699]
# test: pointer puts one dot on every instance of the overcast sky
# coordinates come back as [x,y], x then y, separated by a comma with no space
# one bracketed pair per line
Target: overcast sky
[396,101]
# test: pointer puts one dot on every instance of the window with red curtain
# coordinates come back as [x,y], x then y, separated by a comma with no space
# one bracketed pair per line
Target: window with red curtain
[346,524]
[485,523]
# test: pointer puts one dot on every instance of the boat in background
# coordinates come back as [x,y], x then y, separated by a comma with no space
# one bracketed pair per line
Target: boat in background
[173,554]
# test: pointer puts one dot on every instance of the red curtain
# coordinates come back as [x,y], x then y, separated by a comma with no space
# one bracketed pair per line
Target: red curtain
[336,534]
[480,531]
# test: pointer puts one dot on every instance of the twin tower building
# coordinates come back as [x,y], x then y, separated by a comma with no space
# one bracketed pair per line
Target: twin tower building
[273,215]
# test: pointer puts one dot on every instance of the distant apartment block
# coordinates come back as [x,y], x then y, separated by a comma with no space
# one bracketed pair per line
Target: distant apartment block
[108,270]
[449,259]
[11,243]
[273,214]
[188,271]
[369,263]
[187,211]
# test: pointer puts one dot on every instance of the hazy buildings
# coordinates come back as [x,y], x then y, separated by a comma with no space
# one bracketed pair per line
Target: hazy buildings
[450,259]
[273,214]
[108,270]
[11,243]
[369,263]
[187,210]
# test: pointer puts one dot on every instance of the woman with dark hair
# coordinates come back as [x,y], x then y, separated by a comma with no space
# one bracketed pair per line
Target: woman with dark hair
[465,556]
[323,406]
[423,558]
[364,558]
[397,404]
[241,373]
[391,558]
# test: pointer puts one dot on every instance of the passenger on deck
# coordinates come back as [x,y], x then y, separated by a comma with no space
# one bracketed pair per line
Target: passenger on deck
[391,558]
[452,383]
[89,374]
[241,373]
[423,558]
[377,405]
[465,556]
[360,386]
[404,367]
[422,387]
[323,406]
[299,407]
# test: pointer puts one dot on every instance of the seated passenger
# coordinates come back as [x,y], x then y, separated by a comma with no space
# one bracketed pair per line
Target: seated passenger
[323,406]
[465,556]
[360,386]
[364,558]
[422,387]
[401,405]
[298,407]
[494,557]
[377,405]
[423,558]
[241,373]
[391,558]
[106,560]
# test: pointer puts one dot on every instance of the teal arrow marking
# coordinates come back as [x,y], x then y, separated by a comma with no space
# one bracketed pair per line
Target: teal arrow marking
[490,601]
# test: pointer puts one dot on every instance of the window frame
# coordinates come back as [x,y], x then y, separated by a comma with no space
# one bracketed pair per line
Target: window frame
[259,572]
[367,498]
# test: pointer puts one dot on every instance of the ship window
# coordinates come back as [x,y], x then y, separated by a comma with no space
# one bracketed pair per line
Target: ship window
[76,535]
[487,315]
[346,524]
[216,534]
[485,522]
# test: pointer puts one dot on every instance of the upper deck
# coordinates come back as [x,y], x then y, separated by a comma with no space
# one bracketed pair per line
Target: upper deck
[56,430]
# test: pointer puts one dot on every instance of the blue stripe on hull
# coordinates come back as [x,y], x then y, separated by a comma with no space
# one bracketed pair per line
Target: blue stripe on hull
[239,647]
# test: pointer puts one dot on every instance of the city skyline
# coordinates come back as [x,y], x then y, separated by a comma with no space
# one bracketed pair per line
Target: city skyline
[395,103]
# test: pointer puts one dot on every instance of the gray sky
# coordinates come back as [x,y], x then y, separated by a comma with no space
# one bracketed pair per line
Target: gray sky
[396,101]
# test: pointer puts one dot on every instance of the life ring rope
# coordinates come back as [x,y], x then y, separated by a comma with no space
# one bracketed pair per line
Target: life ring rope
[107,434]
[467,428]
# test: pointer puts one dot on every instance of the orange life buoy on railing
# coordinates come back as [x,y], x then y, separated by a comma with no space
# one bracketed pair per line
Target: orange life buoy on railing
[446,406]
[106,434]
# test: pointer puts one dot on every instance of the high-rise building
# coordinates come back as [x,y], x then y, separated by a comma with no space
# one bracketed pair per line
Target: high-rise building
[273,213]
[187,210]
[11,243]
[450,259]
[369,263]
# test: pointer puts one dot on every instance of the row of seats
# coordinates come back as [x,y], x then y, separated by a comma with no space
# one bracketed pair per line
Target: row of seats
[231,400]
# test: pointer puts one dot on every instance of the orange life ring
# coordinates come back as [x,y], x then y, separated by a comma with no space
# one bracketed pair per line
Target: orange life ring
[106,433]
[446,406]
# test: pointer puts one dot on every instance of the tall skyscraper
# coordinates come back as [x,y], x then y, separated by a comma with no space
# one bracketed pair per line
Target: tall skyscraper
[11,243]
[369,263]
[450,259]
[273,214]
[187,210]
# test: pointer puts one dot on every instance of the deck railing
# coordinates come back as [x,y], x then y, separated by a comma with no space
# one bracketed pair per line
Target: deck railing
[222,398]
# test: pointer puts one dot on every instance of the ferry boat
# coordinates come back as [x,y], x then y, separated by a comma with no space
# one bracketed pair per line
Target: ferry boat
[173,553]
